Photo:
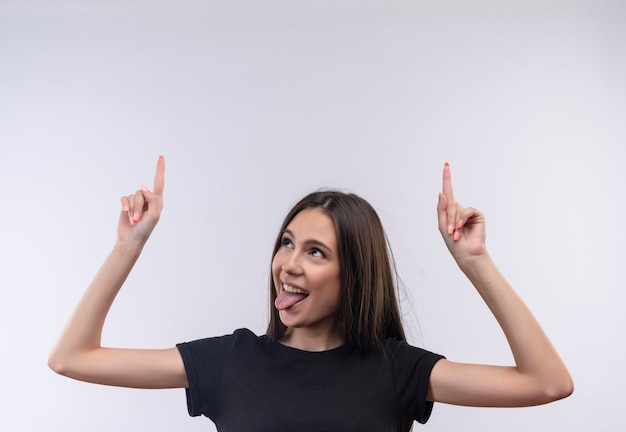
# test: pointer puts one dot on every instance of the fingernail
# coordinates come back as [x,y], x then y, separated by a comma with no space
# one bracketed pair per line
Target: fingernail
[450,228]
[460,224]
[144,188]
[457,235]
[446,164]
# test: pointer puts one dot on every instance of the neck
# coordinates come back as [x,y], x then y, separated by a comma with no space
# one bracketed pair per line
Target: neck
[310,340]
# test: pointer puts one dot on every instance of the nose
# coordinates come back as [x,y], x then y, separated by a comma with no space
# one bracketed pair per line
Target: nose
[292,264]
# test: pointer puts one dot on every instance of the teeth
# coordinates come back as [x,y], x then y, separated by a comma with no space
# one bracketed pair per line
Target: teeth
[291,289]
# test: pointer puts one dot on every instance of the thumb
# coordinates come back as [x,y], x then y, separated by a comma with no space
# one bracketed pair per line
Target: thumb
[153,202]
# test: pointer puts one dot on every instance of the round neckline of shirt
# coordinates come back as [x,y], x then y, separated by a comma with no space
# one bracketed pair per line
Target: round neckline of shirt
[333,352]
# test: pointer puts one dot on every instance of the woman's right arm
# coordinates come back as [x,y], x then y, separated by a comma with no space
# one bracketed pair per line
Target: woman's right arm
[78,352]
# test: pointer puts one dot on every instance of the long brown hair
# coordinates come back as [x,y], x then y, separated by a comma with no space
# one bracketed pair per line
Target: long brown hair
[368,309]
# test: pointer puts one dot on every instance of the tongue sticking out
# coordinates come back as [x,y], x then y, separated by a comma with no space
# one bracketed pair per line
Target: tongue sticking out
[285,299]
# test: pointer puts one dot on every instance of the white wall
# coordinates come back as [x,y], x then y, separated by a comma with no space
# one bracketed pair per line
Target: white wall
[255,104]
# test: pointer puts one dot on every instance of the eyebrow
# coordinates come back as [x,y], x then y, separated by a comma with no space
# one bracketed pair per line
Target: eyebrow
[310,242]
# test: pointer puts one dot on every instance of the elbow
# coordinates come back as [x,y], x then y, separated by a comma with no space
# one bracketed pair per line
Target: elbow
[558,389]
[71,364]
[56,363]
[565,389]
[62,362]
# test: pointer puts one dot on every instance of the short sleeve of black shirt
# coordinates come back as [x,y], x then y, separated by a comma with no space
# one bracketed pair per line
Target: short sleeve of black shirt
[412,365]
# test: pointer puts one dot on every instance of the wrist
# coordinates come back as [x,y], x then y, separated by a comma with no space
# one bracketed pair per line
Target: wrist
[474,263]
[130,249]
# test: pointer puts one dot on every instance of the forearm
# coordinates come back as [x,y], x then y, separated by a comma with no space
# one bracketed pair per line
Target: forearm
[535,356]
[83,331]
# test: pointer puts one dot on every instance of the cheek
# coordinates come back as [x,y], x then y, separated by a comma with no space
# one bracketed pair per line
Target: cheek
[333,284]
[338,287]
[275,266]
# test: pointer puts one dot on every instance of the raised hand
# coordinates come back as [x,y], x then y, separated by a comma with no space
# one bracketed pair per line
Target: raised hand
[462,228]
[142,210]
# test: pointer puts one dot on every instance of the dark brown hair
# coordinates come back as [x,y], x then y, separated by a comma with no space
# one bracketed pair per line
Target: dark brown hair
[368,309]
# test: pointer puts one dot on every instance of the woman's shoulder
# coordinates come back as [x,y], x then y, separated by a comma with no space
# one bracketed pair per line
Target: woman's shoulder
[241,336]
[245,333]
[401,349]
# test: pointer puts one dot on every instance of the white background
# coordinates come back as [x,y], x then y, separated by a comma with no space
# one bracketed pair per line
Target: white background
[254,104]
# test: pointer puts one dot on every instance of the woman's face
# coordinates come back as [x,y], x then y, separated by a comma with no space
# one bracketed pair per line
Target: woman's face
[306,272]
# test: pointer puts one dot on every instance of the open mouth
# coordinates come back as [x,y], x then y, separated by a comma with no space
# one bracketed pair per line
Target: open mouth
[294,290]
[289,296]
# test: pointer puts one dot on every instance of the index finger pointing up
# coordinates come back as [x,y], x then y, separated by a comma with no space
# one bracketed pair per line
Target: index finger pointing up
[159,177]
[447,183]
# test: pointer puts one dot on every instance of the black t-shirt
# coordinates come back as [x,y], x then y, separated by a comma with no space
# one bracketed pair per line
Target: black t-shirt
[248,383]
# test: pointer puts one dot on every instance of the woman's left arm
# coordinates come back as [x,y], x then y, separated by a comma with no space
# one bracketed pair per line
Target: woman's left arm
[539,375]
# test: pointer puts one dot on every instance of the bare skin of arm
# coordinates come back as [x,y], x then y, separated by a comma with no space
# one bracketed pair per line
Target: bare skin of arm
[78,352]
[539,375]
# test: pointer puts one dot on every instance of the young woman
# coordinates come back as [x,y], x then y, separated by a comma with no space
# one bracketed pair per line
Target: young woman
[334,357]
